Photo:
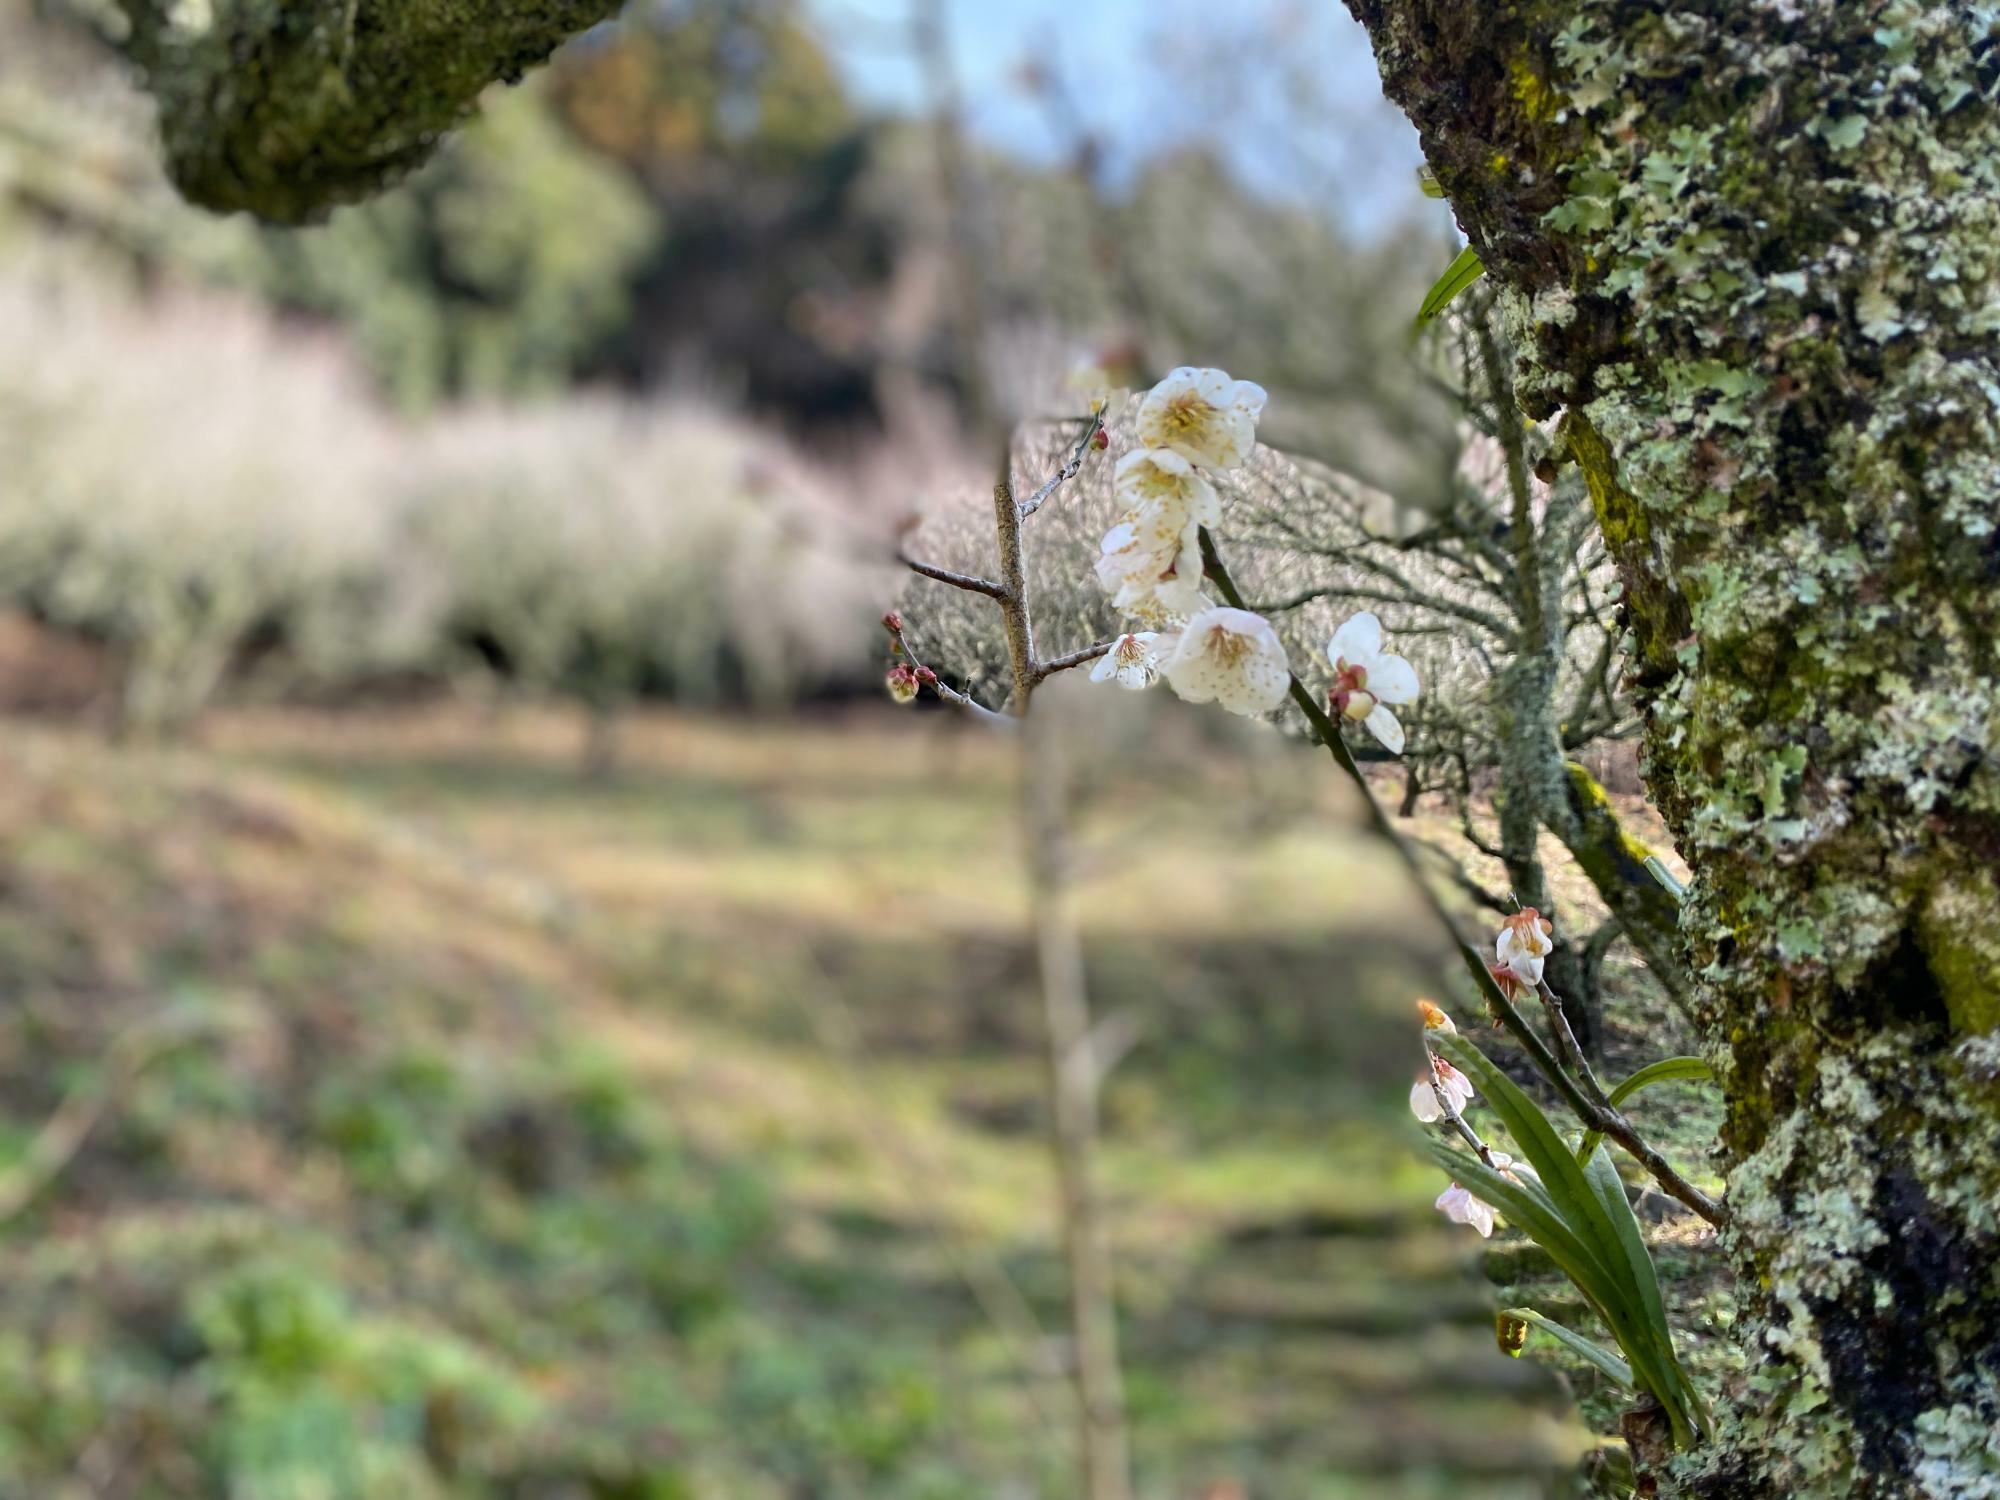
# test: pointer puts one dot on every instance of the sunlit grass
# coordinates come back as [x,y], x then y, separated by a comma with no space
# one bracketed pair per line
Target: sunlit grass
[795,951]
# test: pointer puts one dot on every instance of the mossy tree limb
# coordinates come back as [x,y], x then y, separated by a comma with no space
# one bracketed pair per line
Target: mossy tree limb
[1752,249]
[287,108]
[1615,861]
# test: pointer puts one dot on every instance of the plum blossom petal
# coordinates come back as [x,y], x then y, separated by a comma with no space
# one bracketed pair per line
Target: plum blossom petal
[1435,1019]
[1359,639]
[1393,680]
[1455,1086]
[1459,1206]
[1368,679]
[1149,478]
[1203,415]
[1386,728]
[1232,657]
[1525,942]
[1132,662]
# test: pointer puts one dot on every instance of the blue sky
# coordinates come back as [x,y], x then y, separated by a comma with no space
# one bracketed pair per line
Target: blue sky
[1285,88]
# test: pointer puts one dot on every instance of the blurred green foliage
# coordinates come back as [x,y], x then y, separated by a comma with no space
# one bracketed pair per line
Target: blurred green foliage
[504,268]
[475,1191]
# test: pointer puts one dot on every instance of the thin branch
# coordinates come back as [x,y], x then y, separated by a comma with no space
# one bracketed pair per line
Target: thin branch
[1477,893]
[1069,470]
[1588,1106]
[927,677]
[967,581]
[1047,669]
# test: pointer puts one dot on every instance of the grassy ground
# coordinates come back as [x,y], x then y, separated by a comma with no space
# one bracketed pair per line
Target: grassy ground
[677,1134]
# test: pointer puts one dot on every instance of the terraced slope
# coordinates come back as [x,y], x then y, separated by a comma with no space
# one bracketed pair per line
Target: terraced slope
[463,1127]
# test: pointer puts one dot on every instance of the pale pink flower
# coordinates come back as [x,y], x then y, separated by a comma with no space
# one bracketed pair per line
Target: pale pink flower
[1456,1087]
[1459,1206]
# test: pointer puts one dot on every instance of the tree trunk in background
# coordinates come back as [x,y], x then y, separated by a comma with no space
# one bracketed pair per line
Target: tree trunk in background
[1532,776]
[286,108]
[1751,248]
[1075,1081]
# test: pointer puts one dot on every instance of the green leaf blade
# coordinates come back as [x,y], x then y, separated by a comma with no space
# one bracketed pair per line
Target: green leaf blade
[1588,1350]
[1665,1070]
[1465,269]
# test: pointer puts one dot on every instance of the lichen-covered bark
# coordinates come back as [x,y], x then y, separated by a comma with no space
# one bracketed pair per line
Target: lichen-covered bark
[1752,250]
[1615,861]
[286,108]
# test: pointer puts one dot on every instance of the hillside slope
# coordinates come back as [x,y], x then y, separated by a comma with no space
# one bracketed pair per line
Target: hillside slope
[461,1127]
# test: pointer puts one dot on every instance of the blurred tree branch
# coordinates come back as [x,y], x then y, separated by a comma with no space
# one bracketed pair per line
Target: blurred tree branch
[285,110]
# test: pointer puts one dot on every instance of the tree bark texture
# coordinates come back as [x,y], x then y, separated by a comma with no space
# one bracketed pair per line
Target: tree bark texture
[287,108]
[1751,251]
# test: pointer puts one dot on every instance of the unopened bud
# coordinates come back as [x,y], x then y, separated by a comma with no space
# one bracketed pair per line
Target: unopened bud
[893,623]
[1101,441]
[926,676]
[1434,1018]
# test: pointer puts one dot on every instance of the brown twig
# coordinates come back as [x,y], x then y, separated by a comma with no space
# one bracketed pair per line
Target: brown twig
[967,581]
[1047,669]
[1591,1110]
[1069,470]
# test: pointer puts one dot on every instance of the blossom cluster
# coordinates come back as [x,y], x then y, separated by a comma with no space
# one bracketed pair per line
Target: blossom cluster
[1442,1092]
[1193,424]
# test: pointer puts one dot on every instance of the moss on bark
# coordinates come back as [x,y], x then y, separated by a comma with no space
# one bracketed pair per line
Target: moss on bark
[1753,248]
[286,108]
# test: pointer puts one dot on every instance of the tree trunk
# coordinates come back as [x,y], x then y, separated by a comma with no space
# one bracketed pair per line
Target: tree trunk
[286,108]
[1530,793]
[1751,248]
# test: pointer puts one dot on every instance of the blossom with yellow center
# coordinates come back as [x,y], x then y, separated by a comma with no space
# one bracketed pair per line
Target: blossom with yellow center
[1133,660]
[1203,415]
[1231,657]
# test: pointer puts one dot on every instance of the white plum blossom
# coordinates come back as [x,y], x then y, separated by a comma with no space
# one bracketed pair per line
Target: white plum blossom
[1457,1089]
[1149,477]
[1203,415]
[1150,569]
[1459,1206]
[1134,659]
[1150,562]
[1525,942]
[1231,657]
[1367,679]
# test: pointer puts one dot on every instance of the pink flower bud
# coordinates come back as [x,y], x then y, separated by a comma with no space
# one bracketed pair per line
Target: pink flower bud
[892,622]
